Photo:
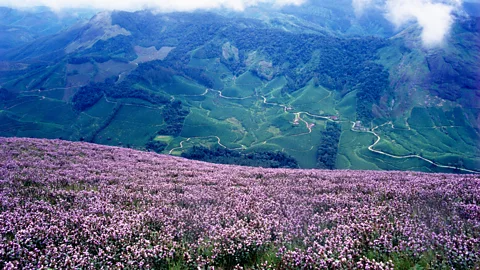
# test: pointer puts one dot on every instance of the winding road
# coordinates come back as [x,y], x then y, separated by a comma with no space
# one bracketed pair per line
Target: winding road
[371,148]
[130,104]
[218,141]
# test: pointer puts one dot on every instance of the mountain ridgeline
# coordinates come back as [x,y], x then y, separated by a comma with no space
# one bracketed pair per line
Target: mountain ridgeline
[277,90]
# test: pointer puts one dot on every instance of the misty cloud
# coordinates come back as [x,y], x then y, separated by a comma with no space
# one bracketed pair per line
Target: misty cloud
[161,5]
[435,17]
[360,5]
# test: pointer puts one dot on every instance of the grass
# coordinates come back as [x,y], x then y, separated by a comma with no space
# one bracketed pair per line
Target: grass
[350,145]
[11,126]
[198,124]
[181,86]
[166,139]
[420,117]
[346,107]
[306,159]
[57,94]
[111,68]
[275,84]
[388,163]
[46,110]
[55,79]
[316,100]
[250,123]
[248,79]
[238,91]
[217,71]
[101,108]
[392,147]
[132,125]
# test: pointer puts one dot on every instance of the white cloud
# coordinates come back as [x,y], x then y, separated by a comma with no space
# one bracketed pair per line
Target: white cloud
[133,5]
[434,16]
[360,5]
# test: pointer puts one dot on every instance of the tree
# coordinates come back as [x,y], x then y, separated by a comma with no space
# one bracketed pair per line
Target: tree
[327,151]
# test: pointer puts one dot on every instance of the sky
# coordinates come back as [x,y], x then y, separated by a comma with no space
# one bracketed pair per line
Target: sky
[434,16]
[161,5]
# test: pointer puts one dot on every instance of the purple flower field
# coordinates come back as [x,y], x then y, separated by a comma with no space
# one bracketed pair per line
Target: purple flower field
[79,205]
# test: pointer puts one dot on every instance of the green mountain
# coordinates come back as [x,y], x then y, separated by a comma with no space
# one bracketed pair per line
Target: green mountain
[326,88]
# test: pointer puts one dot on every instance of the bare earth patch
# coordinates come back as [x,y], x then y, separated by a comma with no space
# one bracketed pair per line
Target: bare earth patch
[151,54]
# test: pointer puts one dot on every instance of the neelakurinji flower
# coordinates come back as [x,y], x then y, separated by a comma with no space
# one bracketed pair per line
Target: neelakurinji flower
[79,205]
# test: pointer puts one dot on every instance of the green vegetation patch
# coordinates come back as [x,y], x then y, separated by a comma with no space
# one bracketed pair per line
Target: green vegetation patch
[328,148]
[181,86]
[420,117]
[254,159]
[350,145]
[313,99]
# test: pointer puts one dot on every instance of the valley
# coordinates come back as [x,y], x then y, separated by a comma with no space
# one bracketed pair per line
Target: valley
[299,127]
[223,83]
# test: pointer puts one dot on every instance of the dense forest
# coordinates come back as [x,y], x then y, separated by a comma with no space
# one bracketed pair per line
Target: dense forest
[327,151]
[88,95]
[156,146]
[156,73]
[174,115]
[221,155]
[6,95]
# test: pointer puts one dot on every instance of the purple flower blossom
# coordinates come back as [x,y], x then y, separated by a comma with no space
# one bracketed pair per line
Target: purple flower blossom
[79,205]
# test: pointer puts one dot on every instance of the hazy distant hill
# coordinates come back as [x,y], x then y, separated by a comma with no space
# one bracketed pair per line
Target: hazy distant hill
[18,27]
[315,82]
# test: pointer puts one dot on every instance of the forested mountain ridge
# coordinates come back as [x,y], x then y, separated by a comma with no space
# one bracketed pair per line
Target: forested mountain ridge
[269,81]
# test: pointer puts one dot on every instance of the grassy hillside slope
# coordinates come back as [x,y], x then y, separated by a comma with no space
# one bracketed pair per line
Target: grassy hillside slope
[80,205]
